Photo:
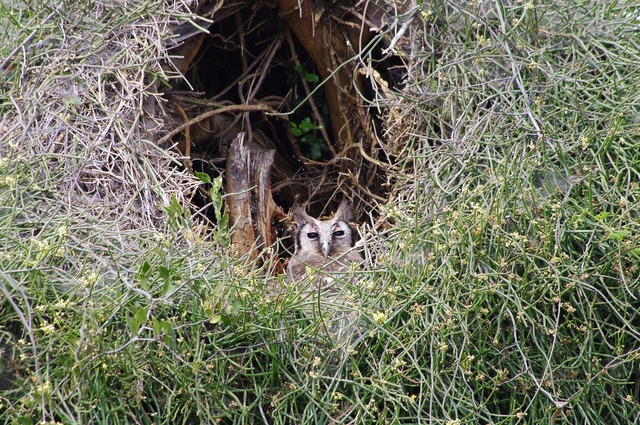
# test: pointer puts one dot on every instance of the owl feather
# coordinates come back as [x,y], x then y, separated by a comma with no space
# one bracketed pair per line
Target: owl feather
[324,244]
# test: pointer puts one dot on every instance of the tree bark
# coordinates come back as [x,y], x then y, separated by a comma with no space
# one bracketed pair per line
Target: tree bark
[252,211]
[331,43]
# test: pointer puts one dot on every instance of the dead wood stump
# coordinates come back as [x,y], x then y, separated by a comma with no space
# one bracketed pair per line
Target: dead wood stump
[252,211]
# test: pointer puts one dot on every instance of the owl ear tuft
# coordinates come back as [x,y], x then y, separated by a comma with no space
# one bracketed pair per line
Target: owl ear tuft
[300,216]
[344,211]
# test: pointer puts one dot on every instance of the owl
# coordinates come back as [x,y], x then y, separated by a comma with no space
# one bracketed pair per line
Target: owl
[324,244]
[328,246]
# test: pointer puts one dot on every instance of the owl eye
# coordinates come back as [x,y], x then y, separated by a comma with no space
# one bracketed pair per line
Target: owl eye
[338,233]
[312,235]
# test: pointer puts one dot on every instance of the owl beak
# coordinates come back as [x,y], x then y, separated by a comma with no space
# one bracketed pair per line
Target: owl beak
[326,248]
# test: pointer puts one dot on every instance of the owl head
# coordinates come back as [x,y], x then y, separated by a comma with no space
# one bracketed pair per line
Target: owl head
[326,237]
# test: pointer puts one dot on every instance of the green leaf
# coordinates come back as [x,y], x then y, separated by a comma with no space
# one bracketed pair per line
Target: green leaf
[141,315]
[223,221]
[72,100]
[315,153]
[145,272]
[175,205]
[168,287]
[618,235]
[145,268]
[164,272]
[157,326]
[235,307]
[306,125]
[310,139]
[134,323]
[312,78]
[161,327]
[296,132]
[203,177]
[217,184]
[169,337]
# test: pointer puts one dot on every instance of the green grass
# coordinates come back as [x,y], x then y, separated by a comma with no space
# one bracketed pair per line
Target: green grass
[504,291]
